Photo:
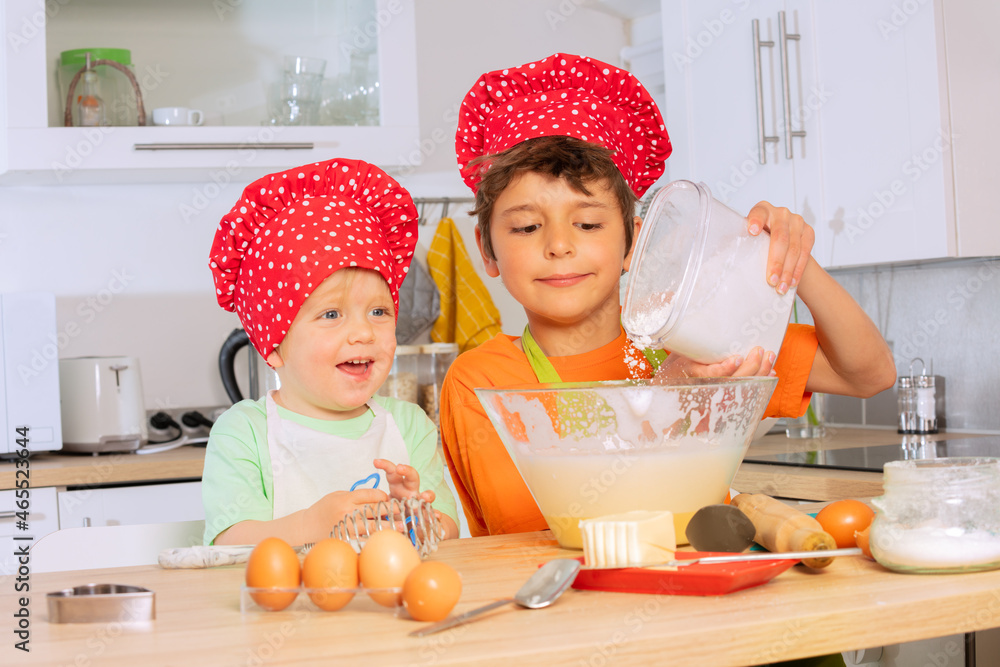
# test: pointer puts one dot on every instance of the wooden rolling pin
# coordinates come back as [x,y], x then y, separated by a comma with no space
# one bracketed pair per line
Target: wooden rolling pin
[780,527]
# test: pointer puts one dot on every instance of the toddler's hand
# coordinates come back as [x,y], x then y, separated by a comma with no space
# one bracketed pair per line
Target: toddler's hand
[757,363]
[333,507]
[791,242]
[403,480]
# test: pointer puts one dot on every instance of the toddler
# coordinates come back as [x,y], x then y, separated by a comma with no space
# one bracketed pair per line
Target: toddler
[311,259]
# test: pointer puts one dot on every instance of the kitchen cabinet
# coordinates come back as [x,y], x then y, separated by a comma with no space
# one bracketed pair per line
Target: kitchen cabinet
[896,162]
[218,57]
[130,505]
[43,518]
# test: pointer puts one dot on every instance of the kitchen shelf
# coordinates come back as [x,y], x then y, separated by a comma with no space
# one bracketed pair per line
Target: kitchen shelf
[211,56]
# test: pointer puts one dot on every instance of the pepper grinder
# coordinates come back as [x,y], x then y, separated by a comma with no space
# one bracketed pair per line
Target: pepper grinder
[917,401]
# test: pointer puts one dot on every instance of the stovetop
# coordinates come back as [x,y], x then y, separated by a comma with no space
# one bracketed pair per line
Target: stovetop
[871,459]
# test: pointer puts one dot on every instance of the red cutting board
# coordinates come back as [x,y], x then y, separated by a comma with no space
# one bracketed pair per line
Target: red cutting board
[697,579]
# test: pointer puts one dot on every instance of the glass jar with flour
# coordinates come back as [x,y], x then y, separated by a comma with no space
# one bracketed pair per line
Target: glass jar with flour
[938,515]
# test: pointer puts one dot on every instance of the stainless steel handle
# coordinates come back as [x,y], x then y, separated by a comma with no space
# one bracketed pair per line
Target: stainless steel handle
[458,620]
[762,138]
[224,146]
[7,514]
[786,97]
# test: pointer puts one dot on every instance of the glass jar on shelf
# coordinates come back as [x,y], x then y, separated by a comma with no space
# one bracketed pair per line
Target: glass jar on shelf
[402,380]
[938,515]
[114,92]
[435,359]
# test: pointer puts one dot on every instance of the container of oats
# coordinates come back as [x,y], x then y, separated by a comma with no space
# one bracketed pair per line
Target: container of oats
[402,380]
[435,359]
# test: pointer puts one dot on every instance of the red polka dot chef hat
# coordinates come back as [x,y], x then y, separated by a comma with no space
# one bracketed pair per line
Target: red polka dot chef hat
[291,230]
[564,95]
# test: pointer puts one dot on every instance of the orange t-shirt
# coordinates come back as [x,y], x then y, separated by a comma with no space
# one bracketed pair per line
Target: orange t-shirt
[495,498]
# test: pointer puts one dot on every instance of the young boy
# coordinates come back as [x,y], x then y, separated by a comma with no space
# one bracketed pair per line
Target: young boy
[311,260]
[558,151]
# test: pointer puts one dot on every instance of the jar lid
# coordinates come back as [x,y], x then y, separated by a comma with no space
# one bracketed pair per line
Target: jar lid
[79,56]
[439,348]
[905,382]
[407,349]
[924,381]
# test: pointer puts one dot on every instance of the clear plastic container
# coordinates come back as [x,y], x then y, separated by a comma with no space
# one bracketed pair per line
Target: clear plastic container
[435,359]
[938,515]
[697,284]
[301,598]
[402,380]
[109,84]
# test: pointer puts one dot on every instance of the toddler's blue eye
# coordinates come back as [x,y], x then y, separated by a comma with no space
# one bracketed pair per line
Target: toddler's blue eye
[379,312]
[331,315]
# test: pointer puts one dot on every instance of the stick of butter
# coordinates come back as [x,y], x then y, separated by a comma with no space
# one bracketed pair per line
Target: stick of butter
[632,539]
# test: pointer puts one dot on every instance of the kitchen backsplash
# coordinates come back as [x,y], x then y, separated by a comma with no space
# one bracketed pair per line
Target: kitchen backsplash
[946,313]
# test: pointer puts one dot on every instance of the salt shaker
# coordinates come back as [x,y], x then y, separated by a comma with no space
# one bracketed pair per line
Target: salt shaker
[917,401]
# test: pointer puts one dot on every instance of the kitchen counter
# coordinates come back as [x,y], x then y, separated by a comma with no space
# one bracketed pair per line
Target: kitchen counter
[820,483]
[57,469]
[852,604]
[186,463]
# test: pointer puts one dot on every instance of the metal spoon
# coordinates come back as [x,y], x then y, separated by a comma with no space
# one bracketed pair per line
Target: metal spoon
[540,590]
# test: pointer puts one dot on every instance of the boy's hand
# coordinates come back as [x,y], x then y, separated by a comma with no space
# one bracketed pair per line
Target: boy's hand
[404,480]
[757,363]
[791,243]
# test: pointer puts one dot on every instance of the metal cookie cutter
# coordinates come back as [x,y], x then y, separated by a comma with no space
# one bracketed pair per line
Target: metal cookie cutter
[102,603]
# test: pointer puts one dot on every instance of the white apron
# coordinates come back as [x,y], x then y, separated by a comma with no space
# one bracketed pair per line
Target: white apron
[307,464]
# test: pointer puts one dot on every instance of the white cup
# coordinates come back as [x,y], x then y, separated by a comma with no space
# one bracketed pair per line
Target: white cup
[177,116]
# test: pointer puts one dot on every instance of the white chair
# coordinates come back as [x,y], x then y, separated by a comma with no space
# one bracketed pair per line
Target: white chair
[111,546]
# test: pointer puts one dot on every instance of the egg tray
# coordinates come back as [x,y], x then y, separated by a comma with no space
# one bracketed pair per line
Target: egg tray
[361,602]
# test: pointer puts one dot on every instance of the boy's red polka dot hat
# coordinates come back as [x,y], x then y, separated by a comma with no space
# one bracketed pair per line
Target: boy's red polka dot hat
[291,230]
[564,95]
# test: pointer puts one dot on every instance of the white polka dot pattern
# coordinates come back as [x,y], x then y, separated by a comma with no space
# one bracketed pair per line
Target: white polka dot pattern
[564,95]
[290,230]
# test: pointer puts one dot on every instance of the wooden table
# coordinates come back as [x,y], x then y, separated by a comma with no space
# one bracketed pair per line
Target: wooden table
[852,604]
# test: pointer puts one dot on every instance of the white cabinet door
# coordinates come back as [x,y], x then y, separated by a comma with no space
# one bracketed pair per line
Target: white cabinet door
[130,505]
[870,173]
[711,92]
[878,190]
[43,518]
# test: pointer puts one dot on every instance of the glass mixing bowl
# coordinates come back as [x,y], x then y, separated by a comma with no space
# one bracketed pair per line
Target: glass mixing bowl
[591,449]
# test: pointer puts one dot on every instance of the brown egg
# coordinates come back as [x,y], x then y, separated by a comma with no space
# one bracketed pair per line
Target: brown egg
[386,559]
[330,564]
[431,591]
[273,564]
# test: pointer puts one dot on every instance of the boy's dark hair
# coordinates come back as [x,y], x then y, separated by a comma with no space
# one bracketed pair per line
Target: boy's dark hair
[579,162]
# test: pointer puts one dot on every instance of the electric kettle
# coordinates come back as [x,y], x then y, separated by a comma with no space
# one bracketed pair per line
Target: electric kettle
[261,377]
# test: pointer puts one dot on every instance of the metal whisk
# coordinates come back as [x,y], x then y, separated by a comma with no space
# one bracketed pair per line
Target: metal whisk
[411,516]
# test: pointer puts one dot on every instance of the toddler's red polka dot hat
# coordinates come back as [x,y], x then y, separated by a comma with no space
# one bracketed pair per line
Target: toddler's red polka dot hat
[564,95]
[291,230]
